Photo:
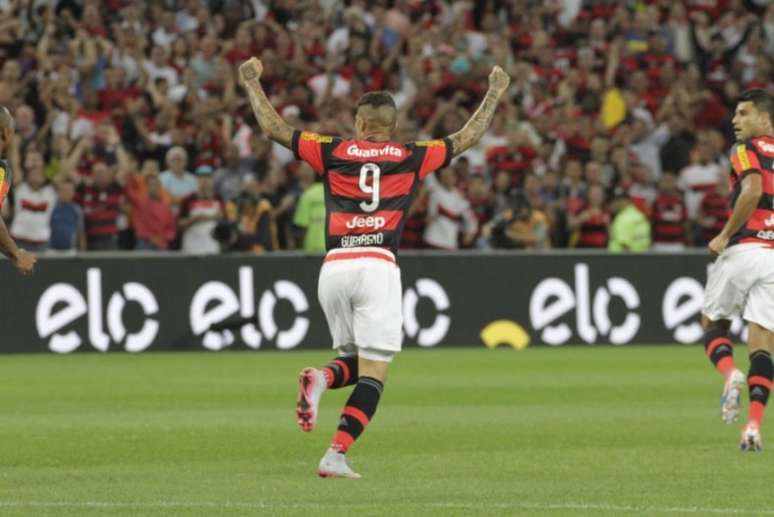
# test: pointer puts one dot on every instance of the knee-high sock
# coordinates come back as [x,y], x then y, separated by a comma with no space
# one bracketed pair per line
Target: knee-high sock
[358,412]
[759,384]
[719,349]
[341,372]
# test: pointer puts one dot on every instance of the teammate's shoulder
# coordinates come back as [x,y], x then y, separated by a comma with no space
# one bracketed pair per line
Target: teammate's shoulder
[762,144]
[741,148]
[5,172]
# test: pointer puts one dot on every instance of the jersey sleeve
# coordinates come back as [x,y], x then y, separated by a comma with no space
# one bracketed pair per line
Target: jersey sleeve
[744,160]
[5,183]
[313,149]
[436,154]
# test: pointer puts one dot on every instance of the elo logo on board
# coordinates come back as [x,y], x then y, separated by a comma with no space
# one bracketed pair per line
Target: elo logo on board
[51,317]
[203,315]
[553,298]
[432,335]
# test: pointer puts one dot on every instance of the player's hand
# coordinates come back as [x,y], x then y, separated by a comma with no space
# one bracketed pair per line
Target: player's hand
[24,262]
[718,245]
[250,70]
[498,80]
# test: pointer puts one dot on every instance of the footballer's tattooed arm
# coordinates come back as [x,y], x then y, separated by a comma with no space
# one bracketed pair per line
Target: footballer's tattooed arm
[272,124]
[475,128]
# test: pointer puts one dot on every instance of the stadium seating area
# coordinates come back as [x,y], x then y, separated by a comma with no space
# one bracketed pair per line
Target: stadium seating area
[133,132]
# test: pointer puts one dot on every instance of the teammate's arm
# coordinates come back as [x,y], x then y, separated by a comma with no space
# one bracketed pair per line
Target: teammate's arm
[750,195]
[22,260]
[272,124]
[475,128]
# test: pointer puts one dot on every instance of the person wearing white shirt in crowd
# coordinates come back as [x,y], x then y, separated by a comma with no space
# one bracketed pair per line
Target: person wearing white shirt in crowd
[157,66]
[167,32]
[176,179]
[699,177]
[199,215]
[34,200]
[448,213]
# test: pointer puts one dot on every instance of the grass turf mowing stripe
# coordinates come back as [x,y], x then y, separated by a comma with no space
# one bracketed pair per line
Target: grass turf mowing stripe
[567,431]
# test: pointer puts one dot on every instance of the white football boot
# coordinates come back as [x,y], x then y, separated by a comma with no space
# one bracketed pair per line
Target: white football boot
[334,465]
[730,401]
[751,438]
[311,386]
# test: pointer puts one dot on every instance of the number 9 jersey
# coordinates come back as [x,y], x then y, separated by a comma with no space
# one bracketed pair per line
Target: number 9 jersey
[369,186]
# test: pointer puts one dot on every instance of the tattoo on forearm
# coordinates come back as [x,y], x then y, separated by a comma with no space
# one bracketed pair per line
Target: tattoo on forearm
[268,118]
[475,128]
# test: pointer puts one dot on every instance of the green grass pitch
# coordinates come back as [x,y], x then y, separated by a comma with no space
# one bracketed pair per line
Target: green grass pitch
[565,431]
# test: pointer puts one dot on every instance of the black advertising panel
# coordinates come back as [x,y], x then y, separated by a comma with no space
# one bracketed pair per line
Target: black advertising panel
[140,303]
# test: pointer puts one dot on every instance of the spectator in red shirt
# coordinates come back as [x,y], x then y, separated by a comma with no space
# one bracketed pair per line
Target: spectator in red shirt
[590,226]
[714,211]
[102,200]
[153,219]
[116,92]
[669,217]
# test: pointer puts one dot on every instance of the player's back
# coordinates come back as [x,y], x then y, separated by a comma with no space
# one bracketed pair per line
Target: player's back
[755,155]
[369,186]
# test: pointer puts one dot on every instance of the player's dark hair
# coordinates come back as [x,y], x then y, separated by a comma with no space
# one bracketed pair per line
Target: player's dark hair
[761,99]
[378,109]
[377,100]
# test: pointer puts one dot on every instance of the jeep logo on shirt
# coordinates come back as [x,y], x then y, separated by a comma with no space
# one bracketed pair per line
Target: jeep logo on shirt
[366,222]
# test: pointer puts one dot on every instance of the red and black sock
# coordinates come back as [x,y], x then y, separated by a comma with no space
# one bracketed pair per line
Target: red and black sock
[759,384]
[358,412]
[341,372]
[719,349]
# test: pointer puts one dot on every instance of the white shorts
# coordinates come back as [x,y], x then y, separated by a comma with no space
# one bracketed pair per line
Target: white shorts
[361,295]
[741,282]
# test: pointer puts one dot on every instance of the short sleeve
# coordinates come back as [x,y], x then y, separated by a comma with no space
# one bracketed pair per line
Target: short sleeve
[437,155]
[311,148]
[5,184]
[744,160]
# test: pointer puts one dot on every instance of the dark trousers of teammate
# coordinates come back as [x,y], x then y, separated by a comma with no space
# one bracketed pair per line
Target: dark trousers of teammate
[361,405]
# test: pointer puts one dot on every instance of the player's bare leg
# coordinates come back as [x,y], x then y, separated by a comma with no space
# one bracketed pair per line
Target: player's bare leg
[313,382]
[759,381]
[357,413]
[719,349]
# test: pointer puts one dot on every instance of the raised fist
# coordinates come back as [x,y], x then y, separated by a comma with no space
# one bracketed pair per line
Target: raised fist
[498,80]
[250,70]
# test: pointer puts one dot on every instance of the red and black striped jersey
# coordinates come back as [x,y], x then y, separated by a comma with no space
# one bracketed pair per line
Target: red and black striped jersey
[6,180]
[669,216]
[754,156]
[593,231]
[714,214]
[101,208]
[369,186]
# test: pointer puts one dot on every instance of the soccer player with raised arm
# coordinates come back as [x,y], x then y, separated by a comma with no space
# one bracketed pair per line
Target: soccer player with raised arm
[370,181]
[22,260]
[741,281]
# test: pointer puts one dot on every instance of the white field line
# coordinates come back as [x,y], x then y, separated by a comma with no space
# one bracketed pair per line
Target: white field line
[229,505]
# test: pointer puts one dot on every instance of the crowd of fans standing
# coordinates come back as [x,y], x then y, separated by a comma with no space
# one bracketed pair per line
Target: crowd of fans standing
[133,133]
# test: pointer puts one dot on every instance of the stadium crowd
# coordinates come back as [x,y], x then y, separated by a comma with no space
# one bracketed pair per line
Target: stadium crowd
[133,133]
